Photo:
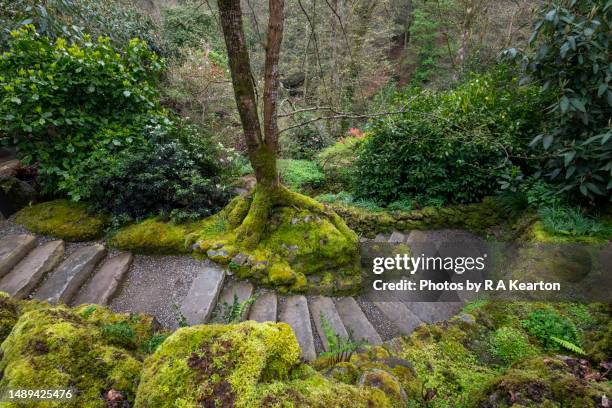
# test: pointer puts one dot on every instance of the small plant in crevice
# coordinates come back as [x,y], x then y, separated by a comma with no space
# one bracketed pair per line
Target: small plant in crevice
[154,342]
[227,313]
[180,317]
[121,334]
[340,348]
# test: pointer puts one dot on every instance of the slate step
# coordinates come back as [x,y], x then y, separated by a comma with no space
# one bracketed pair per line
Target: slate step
[239,290]
[13,248]
[264,308]
[24,277]
[106,280]
[295,314]
[323,308]
[62,284]
[400,316]
[431,312]
[356,322]
[202,297]
[397,237]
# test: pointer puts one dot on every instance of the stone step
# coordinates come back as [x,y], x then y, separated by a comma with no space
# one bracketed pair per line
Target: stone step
[295,314]
[202,297]
[13,248]
[264,308]
[431,312]
[62,284]
[397,237]
[239,290]
[323,307]
[399,314]
[106,280]
[356,322]
[24,277]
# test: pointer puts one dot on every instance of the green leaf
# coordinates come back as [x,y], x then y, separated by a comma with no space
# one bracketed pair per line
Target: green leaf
[16,100]
[569,156]
[594,188]
[602,89]
[547,141]
[578,104]
[564,104]
[127,94]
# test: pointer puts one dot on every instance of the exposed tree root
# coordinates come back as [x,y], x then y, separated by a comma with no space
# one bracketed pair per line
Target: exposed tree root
[280,237]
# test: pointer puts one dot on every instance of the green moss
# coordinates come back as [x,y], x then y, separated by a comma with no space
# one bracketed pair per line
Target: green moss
[538,233]
[473,217]
[244,365]
[8,315]
[510,345]
[443,363]
[53,348]
[542,382]
[62,219]
[154,236]
[282,244]
[127,330]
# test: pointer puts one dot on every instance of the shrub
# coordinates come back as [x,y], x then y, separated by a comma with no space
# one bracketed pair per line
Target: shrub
[304,142]
[300,174]
[545,324]
[510,345]
[176,175]
[71,19]
[61,103]
[337,162]
[450,146]
[188,25]
[571,60]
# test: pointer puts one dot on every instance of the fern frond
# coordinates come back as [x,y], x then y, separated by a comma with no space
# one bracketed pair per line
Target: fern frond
[568,345]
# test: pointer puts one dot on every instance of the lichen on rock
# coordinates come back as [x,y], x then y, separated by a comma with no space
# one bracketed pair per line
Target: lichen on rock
[62,219]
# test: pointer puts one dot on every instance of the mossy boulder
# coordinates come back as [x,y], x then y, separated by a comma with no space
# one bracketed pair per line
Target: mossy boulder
[543,382]
[55,348]
[244,365]
[8,315]
[62,219]
[152,236]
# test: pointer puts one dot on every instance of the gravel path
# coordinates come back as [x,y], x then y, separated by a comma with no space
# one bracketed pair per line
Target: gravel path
[156,285]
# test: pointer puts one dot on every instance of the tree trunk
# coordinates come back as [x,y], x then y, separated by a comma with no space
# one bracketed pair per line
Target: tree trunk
[262,150]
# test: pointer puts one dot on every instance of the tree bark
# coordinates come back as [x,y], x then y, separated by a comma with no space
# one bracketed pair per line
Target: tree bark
[262,150]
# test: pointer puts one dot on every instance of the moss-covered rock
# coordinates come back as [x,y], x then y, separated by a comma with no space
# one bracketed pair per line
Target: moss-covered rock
[154,236]
[131,331]
[62,219]
[244,365]
[55,348]
[542,382]
[8,315]
[477,218]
